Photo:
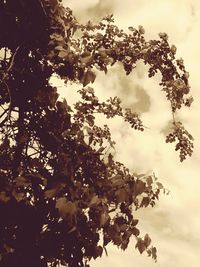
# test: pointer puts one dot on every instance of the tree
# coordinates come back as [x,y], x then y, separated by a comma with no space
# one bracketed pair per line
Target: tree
[59,188]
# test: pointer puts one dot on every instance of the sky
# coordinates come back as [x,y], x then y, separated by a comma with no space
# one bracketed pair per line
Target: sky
[174,224]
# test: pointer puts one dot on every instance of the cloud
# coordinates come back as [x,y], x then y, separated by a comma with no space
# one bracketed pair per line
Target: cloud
[93,10]
[174,223]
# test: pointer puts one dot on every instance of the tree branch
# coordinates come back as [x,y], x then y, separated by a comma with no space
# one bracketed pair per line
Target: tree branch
[19,144]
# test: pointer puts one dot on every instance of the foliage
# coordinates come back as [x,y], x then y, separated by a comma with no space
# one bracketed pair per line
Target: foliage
[60,189]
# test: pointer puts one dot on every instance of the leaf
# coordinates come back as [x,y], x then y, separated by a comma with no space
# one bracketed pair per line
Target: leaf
[160,186]
[123,227]
[145,202]
[124,244]
[106,239]
[139,187]
[104,218]
[117,180]
[121,195]
[135,231]
[19,196]
[95,201]
[103,54]
[149,180]
[36,163]
[85,54]
[102,49]
[86,59]
[131,28]
[56,37]
[100,150]
[4,197]
[23,138]
[66,208]
[98,252]
[54,191]
[110,160]
[140,245]
[63,54]
[22,181]
[52,97]
[88,77]
[154,253]
[134,222]
[147,240]
[141,175]
[59,47]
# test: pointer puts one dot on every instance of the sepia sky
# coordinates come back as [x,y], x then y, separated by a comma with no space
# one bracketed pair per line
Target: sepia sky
[174,224]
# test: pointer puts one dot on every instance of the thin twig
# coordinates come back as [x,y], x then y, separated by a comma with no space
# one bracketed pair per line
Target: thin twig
[12,60]
[43,9]
[5,53]
[5,110]
[10,99]
[5,77]
[3,121]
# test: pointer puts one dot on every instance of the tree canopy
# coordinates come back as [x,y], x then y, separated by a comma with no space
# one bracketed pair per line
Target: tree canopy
[60,191]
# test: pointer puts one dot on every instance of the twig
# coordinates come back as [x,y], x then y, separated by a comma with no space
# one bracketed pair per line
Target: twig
[3,121]
[5,110]
[10,100]
[5,77]
[19,144]
[42,7]
[5,53]
[12,60]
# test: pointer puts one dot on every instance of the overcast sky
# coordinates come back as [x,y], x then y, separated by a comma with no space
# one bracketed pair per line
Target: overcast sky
[174,224]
